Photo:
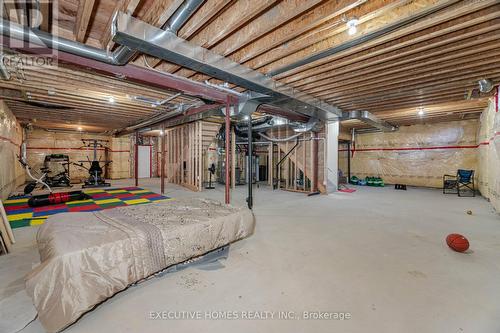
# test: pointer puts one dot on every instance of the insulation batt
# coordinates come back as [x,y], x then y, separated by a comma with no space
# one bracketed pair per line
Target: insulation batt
[88,257]
[417,155]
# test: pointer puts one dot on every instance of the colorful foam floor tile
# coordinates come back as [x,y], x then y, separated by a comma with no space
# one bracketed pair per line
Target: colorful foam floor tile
[20,214]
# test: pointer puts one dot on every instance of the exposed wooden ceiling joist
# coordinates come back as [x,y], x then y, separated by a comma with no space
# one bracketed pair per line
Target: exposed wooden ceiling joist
[433,62]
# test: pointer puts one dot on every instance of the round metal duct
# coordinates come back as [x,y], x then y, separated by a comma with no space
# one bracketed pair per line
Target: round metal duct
[485,85]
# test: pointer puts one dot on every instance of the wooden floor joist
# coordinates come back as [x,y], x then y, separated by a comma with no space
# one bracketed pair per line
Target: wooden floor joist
[434,62]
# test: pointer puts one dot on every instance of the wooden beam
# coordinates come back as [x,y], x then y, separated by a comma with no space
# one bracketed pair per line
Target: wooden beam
[201,20]
[46,13]
[328,13]
[472,74]
[83,16]
[459,12]
[407,47]
[11,11]
[226,24]
[455,50]
[408,75]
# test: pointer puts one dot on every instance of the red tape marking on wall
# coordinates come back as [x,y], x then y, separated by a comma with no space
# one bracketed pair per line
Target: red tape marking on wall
[82,148]
[9,140]
[484,143]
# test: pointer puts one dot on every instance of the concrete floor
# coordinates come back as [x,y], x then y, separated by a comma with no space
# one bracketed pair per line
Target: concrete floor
[377,254]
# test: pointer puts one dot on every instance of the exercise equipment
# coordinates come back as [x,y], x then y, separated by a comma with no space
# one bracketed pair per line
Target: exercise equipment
[95,169]
[56,198]
[211,170]
[374,181]
[50,177]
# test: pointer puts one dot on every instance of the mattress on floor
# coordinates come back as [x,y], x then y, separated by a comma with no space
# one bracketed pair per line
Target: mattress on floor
[88,257]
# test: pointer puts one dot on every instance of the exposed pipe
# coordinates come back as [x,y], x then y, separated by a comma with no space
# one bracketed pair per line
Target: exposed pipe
[41,38]
[229,90]
[270,122]
[159,118]
[370,119]
[250,164]
[162,162]
[309,126]
[136,159]
[277,140]
[166,45]
[315,160]
[181,15]
[121,56]
[227,184]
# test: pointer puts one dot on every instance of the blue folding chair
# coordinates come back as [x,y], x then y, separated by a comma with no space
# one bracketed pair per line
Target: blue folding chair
[461,183]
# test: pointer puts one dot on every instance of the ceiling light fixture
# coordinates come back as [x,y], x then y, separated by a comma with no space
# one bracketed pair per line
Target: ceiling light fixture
[111,99]
[79,128]
[420,111]
[352,25]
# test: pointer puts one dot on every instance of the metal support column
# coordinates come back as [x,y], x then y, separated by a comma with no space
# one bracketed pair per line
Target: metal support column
[250,164]
[228,151]
[246,109]
[348,162]
[315,152]
[136,159]
[162,162]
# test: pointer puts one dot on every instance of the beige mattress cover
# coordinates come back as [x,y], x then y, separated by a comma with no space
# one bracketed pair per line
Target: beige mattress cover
[88,257]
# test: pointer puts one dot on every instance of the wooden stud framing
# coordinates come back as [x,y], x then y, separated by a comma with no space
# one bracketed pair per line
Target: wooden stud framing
[83,15]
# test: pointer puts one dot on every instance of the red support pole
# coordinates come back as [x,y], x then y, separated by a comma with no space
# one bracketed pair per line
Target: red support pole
[228,149]
[136,159]
[315,152]
[162,163]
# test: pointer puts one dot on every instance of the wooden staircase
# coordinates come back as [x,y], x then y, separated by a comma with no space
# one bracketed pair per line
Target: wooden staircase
[295,172]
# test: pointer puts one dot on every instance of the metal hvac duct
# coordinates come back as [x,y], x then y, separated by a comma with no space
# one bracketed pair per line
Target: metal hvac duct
[121,56]
[370,119]
[41,38]
[485,85]
[181,15]
[165,45]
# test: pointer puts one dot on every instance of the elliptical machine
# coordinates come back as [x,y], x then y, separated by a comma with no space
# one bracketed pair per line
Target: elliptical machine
[95,169]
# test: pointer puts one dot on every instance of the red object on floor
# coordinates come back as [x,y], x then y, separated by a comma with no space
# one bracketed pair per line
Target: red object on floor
[347,190]
[457,242]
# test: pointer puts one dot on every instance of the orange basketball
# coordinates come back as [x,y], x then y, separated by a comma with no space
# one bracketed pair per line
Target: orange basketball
[457,242]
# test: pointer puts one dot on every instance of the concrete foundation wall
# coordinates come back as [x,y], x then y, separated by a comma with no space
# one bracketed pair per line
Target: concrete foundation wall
[417,155]
[11,171]
[489,154]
